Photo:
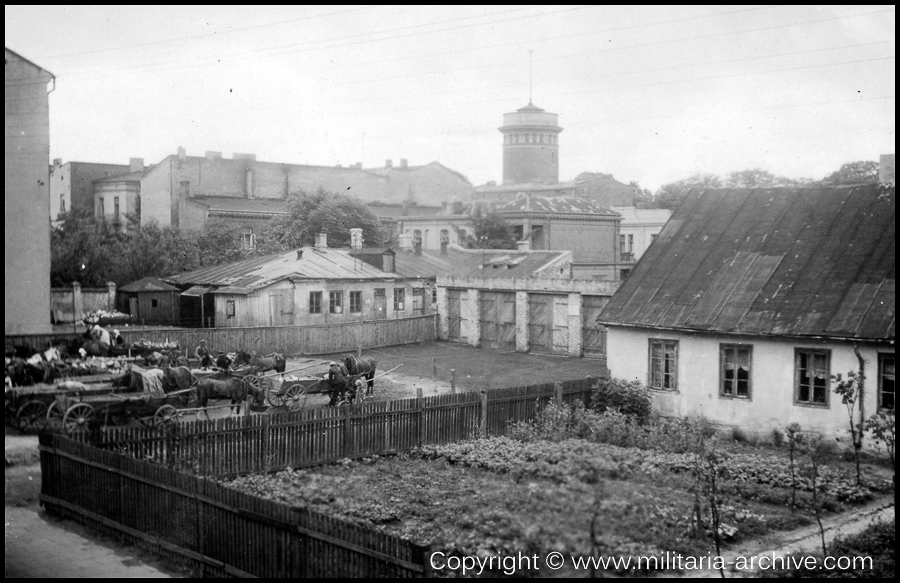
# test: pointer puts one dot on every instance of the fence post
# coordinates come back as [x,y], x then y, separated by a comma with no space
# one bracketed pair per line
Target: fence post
[266,462]
[359,351]
[557,393]
[482,424]
[453,381]
[348,434]
[420,404]
[434,367]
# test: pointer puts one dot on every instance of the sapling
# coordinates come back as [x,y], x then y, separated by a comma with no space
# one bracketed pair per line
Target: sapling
[850,390]
[795,439]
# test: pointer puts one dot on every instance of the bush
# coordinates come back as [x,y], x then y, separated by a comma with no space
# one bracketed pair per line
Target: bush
[629,398]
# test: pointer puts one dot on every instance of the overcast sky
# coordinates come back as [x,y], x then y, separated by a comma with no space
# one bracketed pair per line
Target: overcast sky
[648,94]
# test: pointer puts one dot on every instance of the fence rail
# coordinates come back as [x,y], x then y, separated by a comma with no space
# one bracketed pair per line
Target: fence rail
[285,339]
[165,493]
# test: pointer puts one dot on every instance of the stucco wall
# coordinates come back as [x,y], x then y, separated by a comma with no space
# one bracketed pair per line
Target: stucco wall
[771,404]
[27,198]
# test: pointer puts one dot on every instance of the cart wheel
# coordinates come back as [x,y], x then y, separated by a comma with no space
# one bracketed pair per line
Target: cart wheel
[32,416]
[77,418]
[253,380]
[165,415]
[295,398]
[54,416]
[277,398]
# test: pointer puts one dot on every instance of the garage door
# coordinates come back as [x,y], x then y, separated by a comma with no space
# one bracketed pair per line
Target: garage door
[548,323]
[593,335]
[454,315]
[498,320]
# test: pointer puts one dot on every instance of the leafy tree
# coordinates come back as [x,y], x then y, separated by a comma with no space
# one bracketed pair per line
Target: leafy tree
[219,242]
[670,195]
[83,250]
[308,214]
[643,198]
[155,251]
[490,231]
[861,172]
[757,178]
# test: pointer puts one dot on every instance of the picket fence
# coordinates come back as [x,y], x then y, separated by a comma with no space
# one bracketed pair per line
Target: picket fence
[159,485]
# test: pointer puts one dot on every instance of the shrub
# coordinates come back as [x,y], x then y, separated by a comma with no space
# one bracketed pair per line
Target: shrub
[629,398]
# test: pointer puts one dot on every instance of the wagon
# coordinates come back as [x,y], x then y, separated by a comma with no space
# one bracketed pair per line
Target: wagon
[76,414]
[295,390]
[29,408]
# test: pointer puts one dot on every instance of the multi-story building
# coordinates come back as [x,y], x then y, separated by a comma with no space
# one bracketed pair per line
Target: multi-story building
[27,197]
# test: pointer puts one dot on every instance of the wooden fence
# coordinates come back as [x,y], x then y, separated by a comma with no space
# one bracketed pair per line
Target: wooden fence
[156,484]
[319,339]
[225,532]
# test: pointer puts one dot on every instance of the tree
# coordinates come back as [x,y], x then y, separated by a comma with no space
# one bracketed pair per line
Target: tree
[490,231]
[861,172]
[83,250]
[670,195]
[309,214]
[643,198]
[757,178]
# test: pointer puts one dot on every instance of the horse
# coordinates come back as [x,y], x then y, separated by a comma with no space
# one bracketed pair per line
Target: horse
[258,364]
[223,362]
[232,388]
[364,367]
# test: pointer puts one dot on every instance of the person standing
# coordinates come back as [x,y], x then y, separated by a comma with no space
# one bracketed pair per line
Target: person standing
[204,354]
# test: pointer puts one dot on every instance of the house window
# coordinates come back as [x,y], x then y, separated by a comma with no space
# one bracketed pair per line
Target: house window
[417,237]
[116,206]
[101,209]
[229,309]
[248,239]
[355,302]
[886,381]
[62,203]
[399,294]
[734,365]
[434,296]
[663,365]
[154,303]
[336,302]
[812,376]
[315,302]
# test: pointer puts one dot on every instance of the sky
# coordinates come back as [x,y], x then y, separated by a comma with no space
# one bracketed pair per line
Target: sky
[651,94]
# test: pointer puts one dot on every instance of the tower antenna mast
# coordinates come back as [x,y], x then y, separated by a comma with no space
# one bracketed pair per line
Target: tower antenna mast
[530,72]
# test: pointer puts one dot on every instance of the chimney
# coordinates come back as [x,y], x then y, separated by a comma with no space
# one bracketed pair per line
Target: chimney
[388,163]
[57,162]
[405,241]
[444,244]
[404,212]
[417,248]
[181,153]
[457,207]
[358,165]
[524,245]
[299,254]
[321,241]
[135,164]
[403,163]
[387,261]
[356,238]
[211,155]
[248,178]
[237,156]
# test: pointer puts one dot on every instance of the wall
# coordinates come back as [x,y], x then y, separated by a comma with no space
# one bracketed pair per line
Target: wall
[75,181]
[26,197]
[574,290]
[157,194]
[128,193]
[71,304]
[771,404]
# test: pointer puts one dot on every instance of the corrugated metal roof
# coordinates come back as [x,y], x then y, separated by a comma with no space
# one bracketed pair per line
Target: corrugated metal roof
[553,205]
[197,290]
[305,263]
[780,261]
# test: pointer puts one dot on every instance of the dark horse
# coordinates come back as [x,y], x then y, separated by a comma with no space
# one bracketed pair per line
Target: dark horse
[233,388]
[258,364]
[364,367]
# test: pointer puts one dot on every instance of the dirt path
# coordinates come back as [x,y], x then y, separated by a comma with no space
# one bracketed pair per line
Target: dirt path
[802,541]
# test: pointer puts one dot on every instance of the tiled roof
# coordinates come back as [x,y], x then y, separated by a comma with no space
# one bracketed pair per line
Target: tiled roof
[807,262]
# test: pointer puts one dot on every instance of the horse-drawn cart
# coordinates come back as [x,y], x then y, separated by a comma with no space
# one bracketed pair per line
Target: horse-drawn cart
[29,408]
[80,413]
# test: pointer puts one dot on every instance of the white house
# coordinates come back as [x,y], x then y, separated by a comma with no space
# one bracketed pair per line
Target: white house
[752,299]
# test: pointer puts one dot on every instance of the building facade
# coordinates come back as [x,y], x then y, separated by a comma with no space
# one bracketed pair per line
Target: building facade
[747,326]
[530,146]
[72,183]
[27,196]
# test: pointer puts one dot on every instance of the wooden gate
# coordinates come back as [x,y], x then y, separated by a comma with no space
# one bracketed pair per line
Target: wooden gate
[498,320]
[593,335]
[454,315]
[548,323]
